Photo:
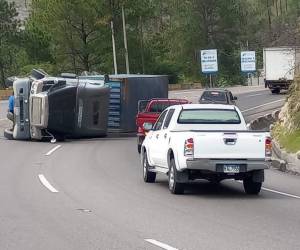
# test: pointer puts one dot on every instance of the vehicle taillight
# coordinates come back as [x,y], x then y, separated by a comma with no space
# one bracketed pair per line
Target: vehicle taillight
[189,147]
[268,147]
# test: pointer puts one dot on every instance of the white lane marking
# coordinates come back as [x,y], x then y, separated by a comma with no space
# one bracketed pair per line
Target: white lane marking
[266,104]
[160,244]
[282,193]
[52,150]
[47,184]
[255,95]
[185,92]
[278,192]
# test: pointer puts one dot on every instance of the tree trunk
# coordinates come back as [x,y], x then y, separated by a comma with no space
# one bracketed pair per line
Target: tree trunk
[269,15]
[2,76]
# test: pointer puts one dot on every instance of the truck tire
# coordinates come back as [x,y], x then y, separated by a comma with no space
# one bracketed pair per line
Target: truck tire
[174,186]
[139,147]
[275,91]
[149,177]
[251,187]
[8,134]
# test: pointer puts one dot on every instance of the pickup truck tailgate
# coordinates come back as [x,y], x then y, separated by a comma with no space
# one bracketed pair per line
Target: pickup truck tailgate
[222,145]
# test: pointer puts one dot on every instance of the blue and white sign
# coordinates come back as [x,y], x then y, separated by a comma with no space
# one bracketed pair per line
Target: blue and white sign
[248,61]
[209,61]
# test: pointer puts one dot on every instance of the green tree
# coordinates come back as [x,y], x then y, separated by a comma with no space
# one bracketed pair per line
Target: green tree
[8,36]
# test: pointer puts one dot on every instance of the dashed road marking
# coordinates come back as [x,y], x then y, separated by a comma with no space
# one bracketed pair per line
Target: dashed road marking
[52,150]
[266,104]
[47,184]
[160,244]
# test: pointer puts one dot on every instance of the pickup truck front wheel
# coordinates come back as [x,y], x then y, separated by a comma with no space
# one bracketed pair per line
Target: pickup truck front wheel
[149,176]
[252,187]
[174,186]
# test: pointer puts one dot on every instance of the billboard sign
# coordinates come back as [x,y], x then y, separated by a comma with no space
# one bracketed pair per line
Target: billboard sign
[248,61]
[209,61]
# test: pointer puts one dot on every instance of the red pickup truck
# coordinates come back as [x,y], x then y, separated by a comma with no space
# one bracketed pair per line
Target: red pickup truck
[149,111]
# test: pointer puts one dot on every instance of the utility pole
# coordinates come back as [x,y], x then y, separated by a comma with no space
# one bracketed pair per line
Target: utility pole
[114,47]
[125,41]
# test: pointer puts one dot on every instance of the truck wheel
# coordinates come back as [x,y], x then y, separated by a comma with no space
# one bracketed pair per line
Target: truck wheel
[8,134]
[139,147]
[149,176]
[174,186]
[252,187]
[275,91]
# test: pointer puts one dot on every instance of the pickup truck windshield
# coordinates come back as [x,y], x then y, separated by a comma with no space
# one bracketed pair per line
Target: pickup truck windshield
[209,116]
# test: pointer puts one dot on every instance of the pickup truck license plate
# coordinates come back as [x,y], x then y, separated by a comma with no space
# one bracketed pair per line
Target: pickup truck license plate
[231,168]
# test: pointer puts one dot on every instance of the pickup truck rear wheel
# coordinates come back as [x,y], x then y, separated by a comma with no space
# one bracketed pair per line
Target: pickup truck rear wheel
[174,186]
[149,176]
[252,187]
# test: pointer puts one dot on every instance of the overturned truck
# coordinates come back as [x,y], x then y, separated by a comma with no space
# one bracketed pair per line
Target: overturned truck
[80,106]
[57,107]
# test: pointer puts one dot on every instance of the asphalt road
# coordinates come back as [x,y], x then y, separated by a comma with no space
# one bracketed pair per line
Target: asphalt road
[89,194]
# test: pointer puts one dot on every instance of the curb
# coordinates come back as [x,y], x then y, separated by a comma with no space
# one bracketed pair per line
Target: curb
[264,122]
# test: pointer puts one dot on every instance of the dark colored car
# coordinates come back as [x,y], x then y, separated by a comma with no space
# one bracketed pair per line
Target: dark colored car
[217,96]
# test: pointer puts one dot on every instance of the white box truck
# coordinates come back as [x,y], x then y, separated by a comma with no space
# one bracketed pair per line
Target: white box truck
[279,68]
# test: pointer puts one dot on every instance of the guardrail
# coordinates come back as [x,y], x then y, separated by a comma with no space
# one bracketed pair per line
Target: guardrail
[5,94]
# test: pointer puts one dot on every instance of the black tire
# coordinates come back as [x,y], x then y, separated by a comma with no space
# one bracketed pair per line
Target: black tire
[148,176]
[8,134]
[140,140]
[275,91]
[174,186]
[252,187]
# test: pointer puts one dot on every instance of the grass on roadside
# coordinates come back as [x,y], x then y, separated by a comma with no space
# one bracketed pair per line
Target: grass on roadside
[289,141]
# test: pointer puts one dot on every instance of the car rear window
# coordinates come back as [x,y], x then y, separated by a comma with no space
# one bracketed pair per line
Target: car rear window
[209,116]
[214,96]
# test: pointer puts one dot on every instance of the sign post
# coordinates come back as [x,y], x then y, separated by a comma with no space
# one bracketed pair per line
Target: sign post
[209,63]
[248,63]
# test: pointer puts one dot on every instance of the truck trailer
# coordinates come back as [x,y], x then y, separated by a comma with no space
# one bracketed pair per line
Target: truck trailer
[279,68]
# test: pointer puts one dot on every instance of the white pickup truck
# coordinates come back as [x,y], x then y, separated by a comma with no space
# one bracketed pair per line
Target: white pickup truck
[205,141]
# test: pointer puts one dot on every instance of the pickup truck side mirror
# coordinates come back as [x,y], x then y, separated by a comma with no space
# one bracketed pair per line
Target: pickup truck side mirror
[147,126]
[248,126]
[235,98]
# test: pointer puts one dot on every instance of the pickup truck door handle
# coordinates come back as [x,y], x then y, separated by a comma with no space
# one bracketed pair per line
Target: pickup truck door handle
[165,136]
